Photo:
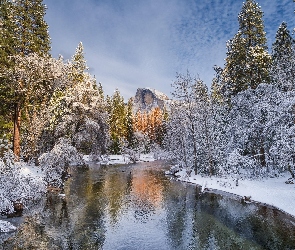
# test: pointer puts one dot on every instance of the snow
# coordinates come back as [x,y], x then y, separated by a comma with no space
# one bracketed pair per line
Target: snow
[6,227]
[120,159]
[272,191]
[30,170]
[159,94]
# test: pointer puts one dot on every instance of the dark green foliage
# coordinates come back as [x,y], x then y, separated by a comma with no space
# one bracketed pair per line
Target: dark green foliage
[23,32]
[117,121]
[248,62]
[283,59]
[32,31]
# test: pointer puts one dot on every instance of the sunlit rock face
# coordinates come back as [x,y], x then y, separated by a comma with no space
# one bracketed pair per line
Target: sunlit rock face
[147,99]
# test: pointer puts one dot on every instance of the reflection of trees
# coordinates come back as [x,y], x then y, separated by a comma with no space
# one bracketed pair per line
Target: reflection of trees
[117,185]
[230,224]
[217,221]
[204,221]
[147,193]
[179,201]
[75,222]
[30,235]
[272,228]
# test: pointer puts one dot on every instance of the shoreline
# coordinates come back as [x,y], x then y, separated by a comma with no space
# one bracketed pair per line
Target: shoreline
[271,192]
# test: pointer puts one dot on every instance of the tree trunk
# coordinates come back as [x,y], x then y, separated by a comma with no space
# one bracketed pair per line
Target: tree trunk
[291,172]
[16,131]
[262,157]
[210,161]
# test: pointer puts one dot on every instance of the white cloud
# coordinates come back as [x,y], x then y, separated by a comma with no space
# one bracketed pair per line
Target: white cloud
[131,44]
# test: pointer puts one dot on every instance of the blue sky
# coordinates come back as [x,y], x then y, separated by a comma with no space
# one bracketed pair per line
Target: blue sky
[143,43]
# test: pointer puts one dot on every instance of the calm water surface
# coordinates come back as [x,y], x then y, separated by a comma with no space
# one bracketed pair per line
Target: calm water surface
[137,207]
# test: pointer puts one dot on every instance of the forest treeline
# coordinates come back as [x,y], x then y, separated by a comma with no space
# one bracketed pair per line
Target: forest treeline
[244,125]
[52,110]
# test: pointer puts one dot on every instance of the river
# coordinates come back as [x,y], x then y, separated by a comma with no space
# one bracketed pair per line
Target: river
[137,207]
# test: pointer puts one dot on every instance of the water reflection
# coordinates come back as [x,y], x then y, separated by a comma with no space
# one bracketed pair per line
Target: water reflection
[137,207]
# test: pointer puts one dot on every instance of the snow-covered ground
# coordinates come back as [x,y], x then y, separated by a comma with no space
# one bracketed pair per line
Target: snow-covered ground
[272,191]
[33,171]
[6,227]
[120,159]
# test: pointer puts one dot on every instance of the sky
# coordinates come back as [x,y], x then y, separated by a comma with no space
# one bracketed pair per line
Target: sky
[132,44]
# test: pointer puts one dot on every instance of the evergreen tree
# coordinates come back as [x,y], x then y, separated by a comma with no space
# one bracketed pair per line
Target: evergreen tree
[32,30]
[7,33]
[78,65]
[248,62]
[129,124]
[7,46]
[34,80]
[22,22]
[117,121]
[283,59]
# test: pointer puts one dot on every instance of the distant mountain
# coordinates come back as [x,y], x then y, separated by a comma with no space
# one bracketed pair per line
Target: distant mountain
[146,99]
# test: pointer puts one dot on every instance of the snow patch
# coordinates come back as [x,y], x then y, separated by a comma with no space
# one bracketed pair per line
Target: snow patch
[6,227]
[32,171]
[120,159]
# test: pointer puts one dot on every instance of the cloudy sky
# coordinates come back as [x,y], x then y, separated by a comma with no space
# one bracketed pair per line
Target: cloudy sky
[143,43]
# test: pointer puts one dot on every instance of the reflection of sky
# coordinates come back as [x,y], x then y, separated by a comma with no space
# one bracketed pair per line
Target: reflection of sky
[136,43]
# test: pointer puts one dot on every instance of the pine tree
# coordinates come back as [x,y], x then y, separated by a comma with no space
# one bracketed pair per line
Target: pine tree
[129,124]
[32,30]
[157,125]
[34,80]
[23,22]
[283,59]
[78,65]
[117,121]
[7,31]
[248,62]
[7,48]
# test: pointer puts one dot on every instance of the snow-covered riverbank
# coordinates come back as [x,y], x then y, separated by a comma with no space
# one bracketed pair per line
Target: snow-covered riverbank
[272,191]
[120,159]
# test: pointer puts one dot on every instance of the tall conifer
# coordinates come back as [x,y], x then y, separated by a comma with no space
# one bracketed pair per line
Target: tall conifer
[78,65]
[283,59]
[248,62]
[32,30]
[22,23]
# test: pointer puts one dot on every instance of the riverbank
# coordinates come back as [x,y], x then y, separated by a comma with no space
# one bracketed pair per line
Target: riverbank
[271,191]
[120,159]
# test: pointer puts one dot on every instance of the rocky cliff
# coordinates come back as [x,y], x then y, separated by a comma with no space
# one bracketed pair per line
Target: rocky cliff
[146,99]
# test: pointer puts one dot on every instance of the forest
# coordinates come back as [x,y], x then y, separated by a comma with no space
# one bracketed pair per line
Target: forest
[53,111]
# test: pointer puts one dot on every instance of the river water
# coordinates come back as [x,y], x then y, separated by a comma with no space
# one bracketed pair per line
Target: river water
[138,207]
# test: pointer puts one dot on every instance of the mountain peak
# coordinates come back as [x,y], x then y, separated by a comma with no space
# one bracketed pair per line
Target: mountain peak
[146,99]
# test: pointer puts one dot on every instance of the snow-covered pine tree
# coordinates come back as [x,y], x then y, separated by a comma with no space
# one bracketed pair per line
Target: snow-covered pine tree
[79,115]
[248,62]
[78,65]
[36,79]
[283,59]
[24,20]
